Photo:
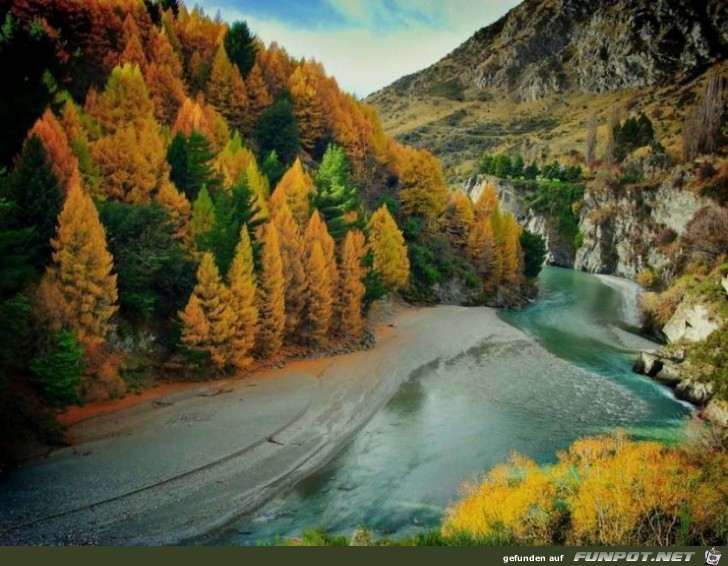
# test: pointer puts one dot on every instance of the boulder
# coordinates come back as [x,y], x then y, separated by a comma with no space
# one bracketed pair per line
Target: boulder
[691,322]
[669,374]
[648,363]
[695,392]
[716,412]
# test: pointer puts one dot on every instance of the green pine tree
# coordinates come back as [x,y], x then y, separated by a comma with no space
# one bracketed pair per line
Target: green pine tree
[57,370]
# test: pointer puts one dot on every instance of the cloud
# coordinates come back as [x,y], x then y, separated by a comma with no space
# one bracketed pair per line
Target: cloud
[367,44]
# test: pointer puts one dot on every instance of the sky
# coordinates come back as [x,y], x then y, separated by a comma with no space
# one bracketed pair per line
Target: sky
[365,44]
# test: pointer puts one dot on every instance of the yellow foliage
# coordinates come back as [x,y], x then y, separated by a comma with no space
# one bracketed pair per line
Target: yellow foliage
[351,287]
[209,308]
[81,273]
[178,208]
[319,299]
[296,187]
[390,252]
[604,490]
[271,293]
[241,278]
[459,219]
[307,104]
[423,190]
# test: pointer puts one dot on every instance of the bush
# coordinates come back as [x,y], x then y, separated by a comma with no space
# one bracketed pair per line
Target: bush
[534,252]
[57,370]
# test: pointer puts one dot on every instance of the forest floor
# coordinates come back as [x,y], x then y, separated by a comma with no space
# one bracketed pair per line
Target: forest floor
[177,462]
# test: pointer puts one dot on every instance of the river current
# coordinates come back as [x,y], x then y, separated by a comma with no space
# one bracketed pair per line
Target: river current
[455,419]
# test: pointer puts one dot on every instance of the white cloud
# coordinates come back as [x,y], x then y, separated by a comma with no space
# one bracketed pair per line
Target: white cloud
[366,58]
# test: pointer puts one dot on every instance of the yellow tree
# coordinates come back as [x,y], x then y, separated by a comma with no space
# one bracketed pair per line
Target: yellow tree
[178,208]
[316,231]
[226,90]
[63,161]
[212,312]
[499,237]
[487,201]
[423,190]
[241,278]
[351,287]
[482,251]
[258,96]
[307,105]
[271,294]
[459,219]
[258,183]
[389,250]
[296,187]
[132,161]
[81,273]
[319,299]
[511,249]
[275,67]
[293,255]
[124,103]
[233,160]
[163,77]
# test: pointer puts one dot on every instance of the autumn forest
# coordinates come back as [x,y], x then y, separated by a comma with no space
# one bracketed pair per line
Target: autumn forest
[180,199]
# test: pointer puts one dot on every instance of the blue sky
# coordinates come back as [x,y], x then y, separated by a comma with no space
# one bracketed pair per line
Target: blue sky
[365,44]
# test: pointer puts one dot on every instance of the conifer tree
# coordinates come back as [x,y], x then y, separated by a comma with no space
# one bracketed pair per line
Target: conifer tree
[277,131]
[241,46]
[423,190]
[292,252]
[297,188]
[124,103]
[191,164]
[459,219]
[336,197]
[60,155]
[511,249]
[388,248]
[243,289]
[319,300]
[316,231]
[271,294]
[81,272]
[133,52]
[163,76]
[259,99]
[487,202]
[481,250]
[495,277]
[35,191]
[178,207]
[213,313]
[202,220]
[233,160]
[307,106]
[351,287]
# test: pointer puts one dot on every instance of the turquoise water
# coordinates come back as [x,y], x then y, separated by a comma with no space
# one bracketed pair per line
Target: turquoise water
[456,418]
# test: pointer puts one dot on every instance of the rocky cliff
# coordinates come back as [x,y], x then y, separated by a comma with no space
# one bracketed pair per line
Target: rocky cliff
[531,80]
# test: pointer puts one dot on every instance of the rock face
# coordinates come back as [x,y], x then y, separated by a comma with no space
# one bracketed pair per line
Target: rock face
[627,232]
[543,47]
[695,392]
[691,323]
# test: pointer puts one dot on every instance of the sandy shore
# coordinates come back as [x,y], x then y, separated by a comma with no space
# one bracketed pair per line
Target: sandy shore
[187,462]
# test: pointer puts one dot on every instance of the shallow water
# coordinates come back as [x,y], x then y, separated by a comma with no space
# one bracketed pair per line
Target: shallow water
[454,419]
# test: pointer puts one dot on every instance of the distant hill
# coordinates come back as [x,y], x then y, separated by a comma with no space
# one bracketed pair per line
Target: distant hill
[529,82]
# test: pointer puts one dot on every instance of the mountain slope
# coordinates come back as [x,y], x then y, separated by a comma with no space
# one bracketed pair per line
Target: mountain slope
[529,81]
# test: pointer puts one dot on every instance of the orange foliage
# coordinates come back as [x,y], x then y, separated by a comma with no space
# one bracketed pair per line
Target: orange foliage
[258,96]
[351,287]
[296,188]
[178,207]
[307,104]
[201,117]
[271,293]
[60,154]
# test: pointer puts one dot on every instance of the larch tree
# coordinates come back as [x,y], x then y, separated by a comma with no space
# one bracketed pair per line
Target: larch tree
[296,187]
[423,190]
[178,207]
[133,52]
[351,286]
[307,106]
[132,162]
[499,236]
[274,64]
[259,185]
[233,160]
[226,90]
[389,250]
[319,299]
[271,294]
[215,309]
[124,103]
[292,251]
[487,202]
[316,231]
[81,271]
[459,219]
[243,290]
[62,159]
[163,77]
[481,251]
[511,249]
[259,99]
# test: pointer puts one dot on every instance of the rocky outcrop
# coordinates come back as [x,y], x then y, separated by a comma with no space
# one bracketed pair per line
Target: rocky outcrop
[695,392]
[691,322]
[544,47]
[716,412]
[629,230]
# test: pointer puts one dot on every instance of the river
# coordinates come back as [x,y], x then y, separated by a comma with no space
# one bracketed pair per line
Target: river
[454,419]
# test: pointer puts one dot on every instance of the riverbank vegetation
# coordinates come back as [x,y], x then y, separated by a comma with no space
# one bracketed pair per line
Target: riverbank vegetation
[179,199]
[604,490]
